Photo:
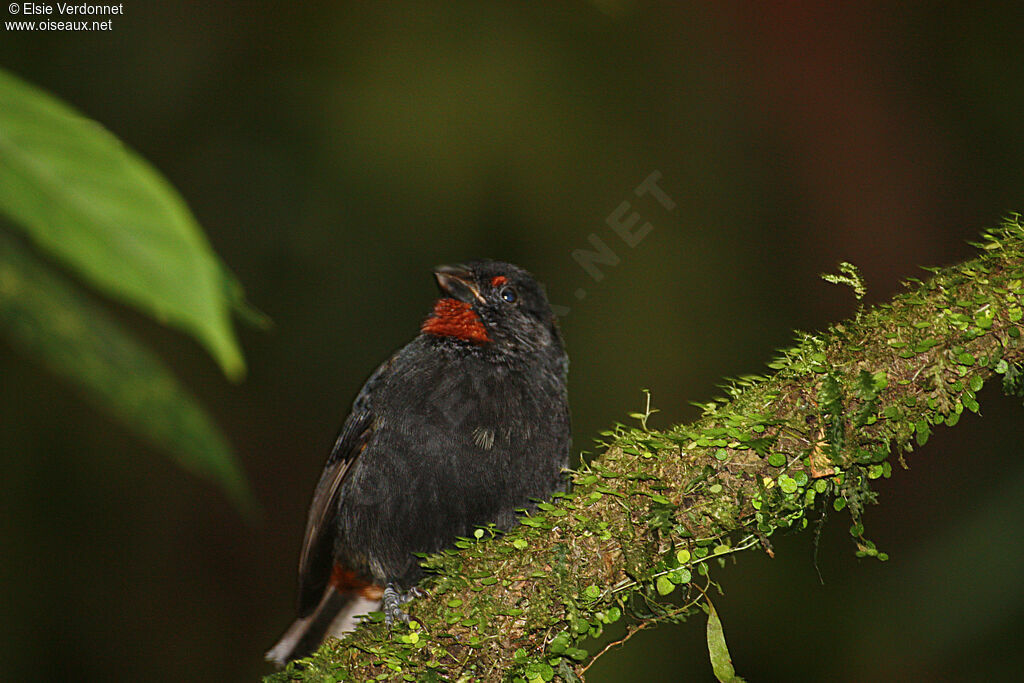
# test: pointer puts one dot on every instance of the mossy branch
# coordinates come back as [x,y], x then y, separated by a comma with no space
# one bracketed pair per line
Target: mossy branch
[645,519]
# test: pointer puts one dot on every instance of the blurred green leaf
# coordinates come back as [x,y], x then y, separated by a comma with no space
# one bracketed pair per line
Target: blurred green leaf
[47,317]
[721,661]
[105,212]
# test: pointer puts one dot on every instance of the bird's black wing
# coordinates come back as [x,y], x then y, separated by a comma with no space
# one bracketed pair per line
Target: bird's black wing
[316,560]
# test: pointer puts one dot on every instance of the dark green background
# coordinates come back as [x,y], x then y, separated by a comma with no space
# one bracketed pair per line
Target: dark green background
[335,152]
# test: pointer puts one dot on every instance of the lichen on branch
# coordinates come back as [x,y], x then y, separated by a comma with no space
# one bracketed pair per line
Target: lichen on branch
[646,518]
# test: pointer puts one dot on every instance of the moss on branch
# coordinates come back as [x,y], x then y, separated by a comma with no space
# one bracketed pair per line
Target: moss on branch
[647,517]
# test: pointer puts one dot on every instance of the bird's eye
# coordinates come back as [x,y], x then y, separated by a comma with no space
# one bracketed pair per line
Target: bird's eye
[508,295]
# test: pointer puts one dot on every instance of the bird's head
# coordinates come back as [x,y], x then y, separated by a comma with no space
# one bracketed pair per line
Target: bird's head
[493,304]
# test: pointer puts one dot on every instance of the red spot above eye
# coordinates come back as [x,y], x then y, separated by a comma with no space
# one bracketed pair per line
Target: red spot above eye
[454,318]
[499,281]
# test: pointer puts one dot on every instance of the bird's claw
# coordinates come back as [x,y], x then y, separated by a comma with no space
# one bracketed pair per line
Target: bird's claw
[393,601]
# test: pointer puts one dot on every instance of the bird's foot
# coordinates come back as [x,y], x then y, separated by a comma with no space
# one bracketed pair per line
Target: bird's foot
[393,601]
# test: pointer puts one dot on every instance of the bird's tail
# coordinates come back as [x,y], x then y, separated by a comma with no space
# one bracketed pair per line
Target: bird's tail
[336,615]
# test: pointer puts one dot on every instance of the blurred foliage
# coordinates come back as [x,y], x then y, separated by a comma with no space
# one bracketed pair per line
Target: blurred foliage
[45,316]
[103,211]
[85,198]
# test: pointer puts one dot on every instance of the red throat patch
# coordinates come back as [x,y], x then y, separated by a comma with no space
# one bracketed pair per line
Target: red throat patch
[454,318]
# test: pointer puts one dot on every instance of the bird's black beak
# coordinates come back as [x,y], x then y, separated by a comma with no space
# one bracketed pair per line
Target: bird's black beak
[457,282]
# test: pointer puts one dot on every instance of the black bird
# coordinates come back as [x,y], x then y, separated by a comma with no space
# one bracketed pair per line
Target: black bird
[460,428]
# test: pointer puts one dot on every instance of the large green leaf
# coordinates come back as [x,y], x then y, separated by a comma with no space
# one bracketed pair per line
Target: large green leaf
[47,317]
[105,212]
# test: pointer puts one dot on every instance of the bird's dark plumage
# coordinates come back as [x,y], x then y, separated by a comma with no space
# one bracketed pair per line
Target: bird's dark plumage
[460,428]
